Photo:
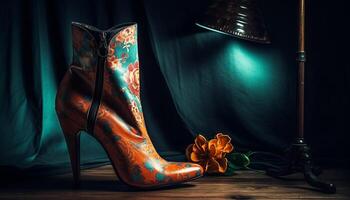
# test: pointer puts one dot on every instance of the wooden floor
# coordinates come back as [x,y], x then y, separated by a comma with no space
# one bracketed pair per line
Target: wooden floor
[101,183]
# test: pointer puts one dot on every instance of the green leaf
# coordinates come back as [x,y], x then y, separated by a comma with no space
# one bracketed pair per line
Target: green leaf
[230,171]
[238,160]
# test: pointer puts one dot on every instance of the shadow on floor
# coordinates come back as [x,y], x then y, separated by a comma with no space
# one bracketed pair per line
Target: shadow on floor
[57,183]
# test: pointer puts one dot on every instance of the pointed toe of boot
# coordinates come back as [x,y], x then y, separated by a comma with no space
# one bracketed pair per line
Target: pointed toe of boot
[195,170]
[186,171]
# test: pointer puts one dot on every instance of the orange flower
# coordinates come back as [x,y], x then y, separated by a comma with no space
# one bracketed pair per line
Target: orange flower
[210,155]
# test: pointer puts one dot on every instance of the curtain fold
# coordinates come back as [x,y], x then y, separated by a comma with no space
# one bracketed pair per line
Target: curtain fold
[219,83]
[192,81]
[36,36]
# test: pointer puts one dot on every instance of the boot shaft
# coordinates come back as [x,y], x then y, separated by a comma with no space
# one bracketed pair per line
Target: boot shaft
[115,52]
[90,42]
[100,93]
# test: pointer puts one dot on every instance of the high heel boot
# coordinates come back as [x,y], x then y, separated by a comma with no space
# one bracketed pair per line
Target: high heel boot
[100,94]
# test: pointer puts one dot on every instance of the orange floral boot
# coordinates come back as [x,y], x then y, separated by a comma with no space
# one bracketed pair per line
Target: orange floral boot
[100,94]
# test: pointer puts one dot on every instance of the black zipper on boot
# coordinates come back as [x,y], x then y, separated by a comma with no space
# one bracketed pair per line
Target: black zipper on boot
[96,99]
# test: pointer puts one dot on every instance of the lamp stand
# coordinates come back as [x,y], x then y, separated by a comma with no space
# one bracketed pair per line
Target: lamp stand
[298,155]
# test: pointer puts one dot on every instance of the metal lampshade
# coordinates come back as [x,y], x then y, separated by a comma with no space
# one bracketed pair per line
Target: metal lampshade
[238,18]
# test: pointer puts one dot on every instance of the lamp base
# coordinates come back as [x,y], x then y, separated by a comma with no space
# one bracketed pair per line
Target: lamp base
[299,160]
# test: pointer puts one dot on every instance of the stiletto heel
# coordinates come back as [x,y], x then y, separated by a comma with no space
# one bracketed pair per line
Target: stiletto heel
[72,136]
[100,94]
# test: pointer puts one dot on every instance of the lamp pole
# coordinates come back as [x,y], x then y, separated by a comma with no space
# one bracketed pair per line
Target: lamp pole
[242,19]
[298,155]
[301,58]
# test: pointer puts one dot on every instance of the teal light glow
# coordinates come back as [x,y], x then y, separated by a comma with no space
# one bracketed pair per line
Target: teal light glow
[249,67]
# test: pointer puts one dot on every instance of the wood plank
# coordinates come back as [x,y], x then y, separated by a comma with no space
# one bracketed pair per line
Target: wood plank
[101,183]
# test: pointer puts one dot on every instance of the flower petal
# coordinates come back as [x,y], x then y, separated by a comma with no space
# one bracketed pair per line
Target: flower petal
[196,149]
[224,143]
[212,147]
[204,164]
[213,166]
[212,142]
[219,135]
[201,143]
[189,150]
[223,139]
[195,157]
[228,148]
[220,155]
[222,165]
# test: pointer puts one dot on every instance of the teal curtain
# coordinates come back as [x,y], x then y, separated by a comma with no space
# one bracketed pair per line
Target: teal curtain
[36,36]
[192,81]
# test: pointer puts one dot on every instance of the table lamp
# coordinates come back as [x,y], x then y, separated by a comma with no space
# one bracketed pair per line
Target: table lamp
[243,19]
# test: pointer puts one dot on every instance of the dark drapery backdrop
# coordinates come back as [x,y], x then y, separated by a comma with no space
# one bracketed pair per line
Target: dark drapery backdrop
[192,81]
